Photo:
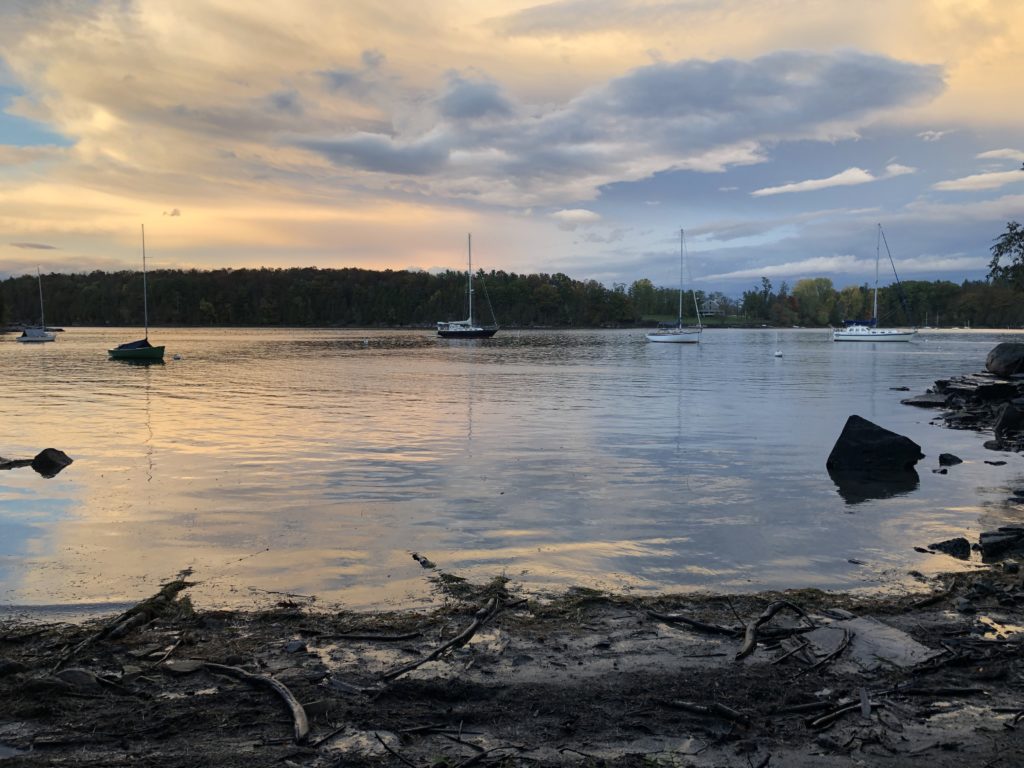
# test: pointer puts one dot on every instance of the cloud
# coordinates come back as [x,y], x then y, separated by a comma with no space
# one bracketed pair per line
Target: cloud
[1003,154]
[470,98]
[980,181]
[849,177]
[846,178]
[573,218]
[383,154]
[172,212]
[705,116]
[933,135]
[847,264]
[35,246]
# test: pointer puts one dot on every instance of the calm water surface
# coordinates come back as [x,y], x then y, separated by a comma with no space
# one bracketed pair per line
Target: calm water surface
[315,462]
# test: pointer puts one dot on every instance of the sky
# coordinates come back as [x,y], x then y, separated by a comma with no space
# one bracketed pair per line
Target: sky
[575,136]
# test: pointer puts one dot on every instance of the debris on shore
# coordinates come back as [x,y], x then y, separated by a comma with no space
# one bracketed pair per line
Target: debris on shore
[491,678]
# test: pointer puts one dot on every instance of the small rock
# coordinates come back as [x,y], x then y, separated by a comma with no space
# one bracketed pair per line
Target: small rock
[949,460]
[295,646]
[958,547]
[963,605]
[11,667]
[183,666]
[942,471]
[49,462]
[422,560]
[1011,566]
[996,463]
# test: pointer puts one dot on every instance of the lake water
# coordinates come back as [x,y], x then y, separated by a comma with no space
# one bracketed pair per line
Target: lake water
[315,462]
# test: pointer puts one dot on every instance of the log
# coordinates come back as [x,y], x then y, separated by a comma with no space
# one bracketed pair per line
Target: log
[299,718]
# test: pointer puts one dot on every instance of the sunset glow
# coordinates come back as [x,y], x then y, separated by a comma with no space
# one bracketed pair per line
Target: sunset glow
[568,136]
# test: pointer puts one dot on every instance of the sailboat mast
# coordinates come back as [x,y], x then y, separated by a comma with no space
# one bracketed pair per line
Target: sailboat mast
[145,299]
[469,246]
[680,278]
[42,314]
[878,245]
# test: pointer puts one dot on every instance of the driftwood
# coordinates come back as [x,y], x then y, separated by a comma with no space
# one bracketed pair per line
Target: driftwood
[485,614]
[373,638]
[714,709]
[678,618]
[136,616]
[299,718]
[750,635]
[824,721]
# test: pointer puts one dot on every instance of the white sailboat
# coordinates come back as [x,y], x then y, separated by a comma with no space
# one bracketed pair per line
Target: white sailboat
[680,334]
[868,330]
[38,334]
[466,329]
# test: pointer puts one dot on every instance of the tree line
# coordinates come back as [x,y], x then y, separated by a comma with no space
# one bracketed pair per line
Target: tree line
[366,298]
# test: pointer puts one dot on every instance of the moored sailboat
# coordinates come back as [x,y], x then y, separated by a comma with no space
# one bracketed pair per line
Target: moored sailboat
[467,329]
[140,349]
[38,334]
[868,330]
[680,334]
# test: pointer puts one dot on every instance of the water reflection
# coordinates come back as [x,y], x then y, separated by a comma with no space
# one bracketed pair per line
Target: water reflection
[314,461]
[858,487]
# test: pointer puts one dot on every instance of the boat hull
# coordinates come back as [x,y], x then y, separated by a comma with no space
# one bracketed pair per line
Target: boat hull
[873,335]
[471,333]
[36,339]
[675,337]
[140,353]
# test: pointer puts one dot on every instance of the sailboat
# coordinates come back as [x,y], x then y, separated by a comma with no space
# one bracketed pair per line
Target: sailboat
[861,330]
[141,349]
[33,335]
[466,329]
[680,334]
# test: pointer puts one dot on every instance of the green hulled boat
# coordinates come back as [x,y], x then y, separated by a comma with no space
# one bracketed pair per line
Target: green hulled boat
[141,349]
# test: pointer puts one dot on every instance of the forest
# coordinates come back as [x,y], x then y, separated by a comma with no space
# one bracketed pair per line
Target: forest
[313,297]
[364,298]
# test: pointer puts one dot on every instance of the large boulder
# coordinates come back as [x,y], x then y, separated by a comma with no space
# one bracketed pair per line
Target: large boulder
[866,447]
[1006,359]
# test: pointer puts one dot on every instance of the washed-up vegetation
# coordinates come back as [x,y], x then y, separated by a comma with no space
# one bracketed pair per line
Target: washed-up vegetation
[494,678]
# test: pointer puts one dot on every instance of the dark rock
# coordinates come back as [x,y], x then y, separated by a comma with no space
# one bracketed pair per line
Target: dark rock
[900,389]
[49,462]
[963,605]
[1006,359]
[949,460]
[1011,566]
[1010,419]
[998,390]
[11,667]
[996,543]
[863,446]
[295,646]
[958,547]
[996,463]
[931,400]
[942,471]
[993,445]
